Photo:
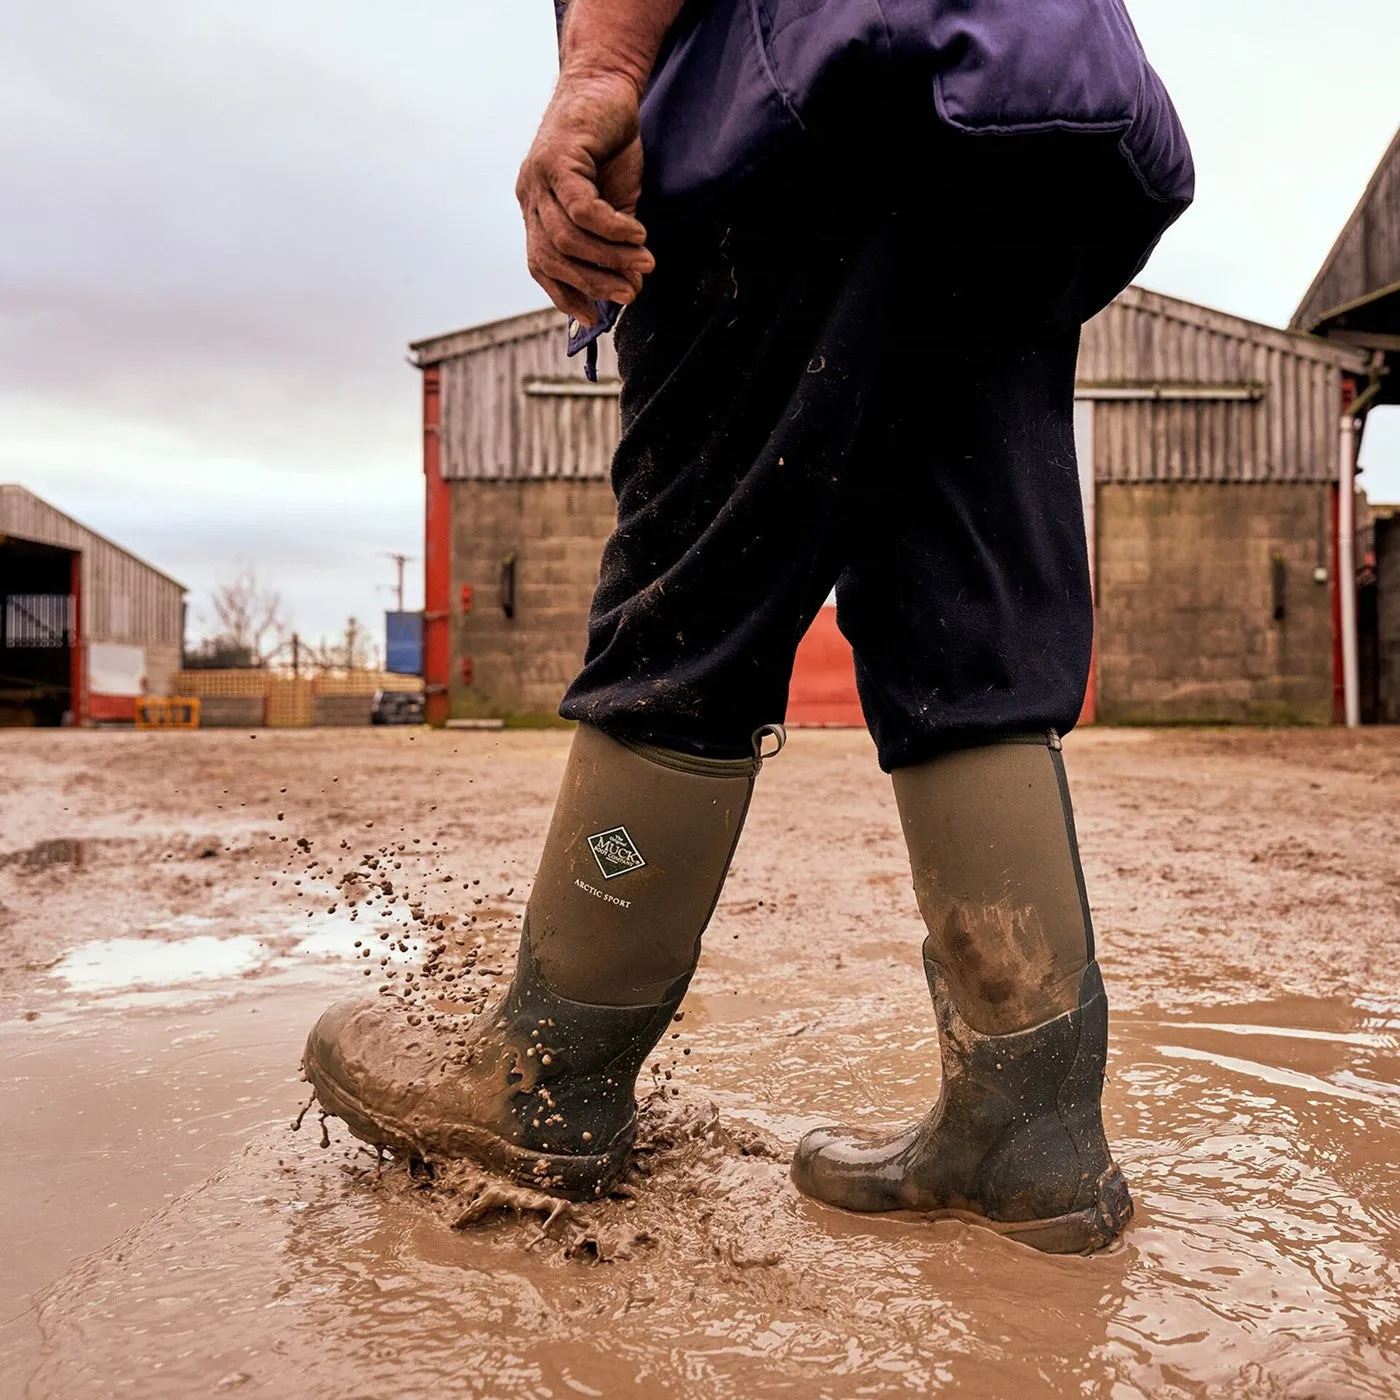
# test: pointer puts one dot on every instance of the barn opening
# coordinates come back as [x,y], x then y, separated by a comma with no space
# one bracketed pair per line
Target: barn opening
[37,641]
[1378,589]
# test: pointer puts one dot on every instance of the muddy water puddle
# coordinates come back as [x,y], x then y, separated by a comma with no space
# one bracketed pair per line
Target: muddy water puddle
[164,1234]
[213,1251]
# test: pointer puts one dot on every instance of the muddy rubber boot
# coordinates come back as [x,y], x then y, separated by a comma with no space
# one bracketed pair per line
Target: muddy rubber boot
[541,1086]
[1015,1142]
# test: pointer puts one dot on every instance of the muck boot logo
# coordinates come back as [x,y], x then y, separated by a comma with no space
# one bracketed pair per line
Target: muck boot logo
[615,852]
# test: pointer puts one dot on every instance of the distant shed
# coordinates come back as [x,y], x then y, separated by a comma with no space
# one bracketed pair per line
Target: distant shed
[85,626]
[1209,450]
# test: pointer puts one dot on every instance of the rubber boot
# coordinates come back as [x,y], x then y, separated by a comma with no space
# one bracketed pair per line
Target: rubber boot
[1016,1141]
[541,1086]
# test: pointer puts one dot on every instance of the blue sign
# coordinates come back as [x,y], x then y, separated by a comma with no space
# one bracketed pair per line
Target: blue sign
[403,643]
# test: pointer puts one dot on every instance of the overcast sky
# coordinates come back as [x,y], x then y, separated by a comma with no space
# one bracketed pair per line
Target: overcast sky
[221,223]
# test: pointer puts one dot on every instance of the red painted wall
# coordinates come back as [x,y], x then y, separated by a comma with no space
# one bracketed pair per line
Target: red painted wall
[437,558]
[1089,711]
[111,707]
[823,690]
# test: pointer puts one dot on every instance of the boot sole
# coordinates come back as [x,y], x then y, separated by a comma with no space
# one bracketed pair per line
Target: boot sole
[575,1177]
[1079,1232]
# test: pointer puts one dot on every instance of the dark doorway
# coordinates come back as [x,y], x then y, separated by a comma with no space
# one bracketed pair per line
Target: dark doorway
[37,632]
[1385,621]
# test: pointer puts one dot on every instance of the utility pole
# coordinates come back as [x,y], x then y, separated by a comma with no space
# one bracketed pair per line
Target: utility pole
[400,560]
[296,654]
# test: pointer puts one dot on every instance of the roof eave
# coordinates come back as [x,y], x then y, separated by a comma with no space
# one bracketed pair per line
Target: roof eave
[1307,318]
[471,339]
[97,535]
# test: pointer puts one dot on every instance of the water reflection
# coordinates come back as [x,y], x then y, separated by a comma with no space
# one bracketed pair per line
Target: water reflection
[187,954]
[113,964]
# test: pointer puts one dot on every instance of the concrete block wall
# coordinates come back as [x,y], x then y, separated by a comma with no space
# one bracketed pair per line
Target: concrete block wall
[341,710]
[1186,627]
[1186,599]
[231,712]
[521,666]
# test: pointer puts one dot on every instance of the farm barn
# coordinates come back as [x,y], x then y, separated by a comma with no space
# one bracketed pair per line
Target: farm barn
[1210,451]
[85,626]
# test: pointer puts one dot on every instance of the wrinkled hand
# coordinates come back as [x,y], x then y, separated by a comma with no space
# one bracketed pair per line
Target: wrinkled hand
[578,192]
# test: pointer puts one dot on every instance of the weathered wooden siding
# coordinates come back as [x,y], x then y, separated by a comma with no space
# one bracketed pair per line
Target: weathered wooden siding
[1237,401]
[1365,260]
[515,407]
[123,599]
[1244,402]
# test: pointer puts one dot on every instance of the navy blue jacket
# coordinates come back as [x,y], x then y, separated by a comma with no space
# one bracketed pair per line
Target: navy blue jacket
[735,77]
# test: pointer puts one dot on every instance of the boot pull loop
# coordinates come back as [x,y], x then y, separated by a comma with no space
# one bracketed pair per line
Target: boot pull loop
[777,733]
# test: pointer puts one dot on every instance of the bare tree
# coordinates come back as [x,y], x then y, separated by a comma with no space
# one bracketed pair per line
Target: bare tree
[354,650]
[251,618]
[357,647]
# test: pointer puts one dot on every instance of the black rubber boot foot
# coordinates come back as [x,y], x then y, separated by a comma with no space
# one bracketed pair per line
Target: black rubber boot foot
[576,1176]
[537,1088]
[1015,1143]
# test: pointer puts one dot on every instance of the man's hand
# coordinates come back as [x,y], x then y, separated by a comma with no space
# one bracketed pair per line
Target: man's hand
[579,186]
[578,191]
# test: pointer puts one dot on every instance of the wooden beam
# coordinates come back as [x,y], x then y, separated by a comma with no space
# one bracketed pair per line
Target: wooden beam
[572,388]
[1367,340]
[1166,392]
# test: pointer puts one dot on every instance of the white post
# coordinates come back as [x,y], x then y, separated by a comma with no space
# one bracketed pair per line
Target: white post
[1346,571]
[1084,451]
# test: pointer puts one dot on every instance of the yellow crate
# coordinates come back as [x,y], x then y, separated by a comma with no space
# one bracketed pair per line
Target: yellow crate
[167,712]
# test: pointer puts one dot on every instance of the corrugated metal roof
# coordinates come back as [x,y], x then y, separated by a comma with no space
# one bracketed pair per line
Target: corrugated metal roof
[474,338]
[516,407]
[1190,315]
[1186,393]
[29,517]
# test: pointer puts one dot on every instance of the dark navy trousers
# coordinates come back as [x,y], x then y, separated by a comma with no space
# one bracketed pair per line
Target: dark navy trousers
[859,372]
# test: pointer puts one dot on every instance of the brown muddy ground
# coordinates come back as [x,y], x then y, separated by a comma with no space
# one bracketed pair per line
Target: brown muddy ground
[165,1234]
